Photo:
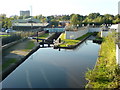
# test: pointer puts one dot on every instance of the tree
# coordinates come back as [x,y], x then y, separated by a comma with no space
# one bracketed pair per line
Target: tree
[65,18]
[43,20]
[74,20]
[116,21]
[49,18]
[93,15]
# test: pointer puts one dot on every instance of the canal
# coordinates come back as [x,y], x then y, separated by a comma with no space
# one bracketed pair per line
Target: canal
[53,68]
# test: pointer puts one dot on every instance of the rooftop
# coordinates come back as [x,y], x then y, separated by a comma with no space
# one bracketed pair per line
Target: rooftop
[28,20]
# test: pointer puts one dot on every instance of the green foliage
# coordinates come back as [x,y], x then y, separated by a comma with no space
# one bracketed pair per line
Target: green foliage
[74,19]
[92,18]
[6,22]
[104,74]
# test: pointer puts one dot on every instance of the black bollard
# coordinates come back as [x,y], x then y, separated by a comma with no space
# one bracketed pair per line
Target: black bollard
[48,44]
[37,36]
[42,43]
[59,40]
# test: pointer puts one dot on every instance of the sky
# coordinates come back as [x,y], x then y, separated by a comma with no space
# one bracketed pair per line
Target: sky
[59,7]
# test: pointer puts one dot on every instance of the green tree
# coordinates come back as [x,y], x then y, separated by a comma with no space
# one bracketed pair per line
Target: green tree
[65,18]
[93,15]
[116,19]
[74,20]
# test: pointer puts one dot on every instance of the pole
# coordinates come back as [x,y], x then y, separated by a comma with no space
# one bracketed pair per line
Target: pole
[37,36]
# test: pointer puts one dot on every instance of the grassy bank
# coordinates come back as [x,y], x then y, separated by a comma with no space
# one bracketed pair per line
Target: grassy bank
[29,46]
[4,35]
[9,62]
[17,52]
[69,42]
[105,74]
[84,36]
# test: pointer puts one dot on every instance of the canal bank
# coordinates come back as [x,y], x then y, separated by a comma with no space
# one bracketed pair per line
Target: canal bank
[106,71]
[15,55]
[53,68]
[68,43]
[20,54]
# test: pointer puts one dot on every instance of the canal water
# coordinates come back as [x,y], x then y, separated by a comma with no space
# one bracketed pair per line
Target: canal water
[53,68]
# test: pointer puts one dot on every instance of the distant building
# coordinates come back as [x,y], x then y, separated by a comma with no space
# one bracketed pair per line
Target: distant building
[119,7]
[28,20]
[27,24]
[63,23]
[25,13]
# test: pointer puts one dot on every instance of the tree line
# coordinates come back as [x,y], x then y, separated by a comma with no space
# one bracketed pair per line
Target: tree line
[74,19]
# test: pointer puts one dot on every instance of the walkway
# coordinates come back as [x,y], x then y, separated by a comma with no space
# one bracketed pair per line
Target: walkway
[17,51]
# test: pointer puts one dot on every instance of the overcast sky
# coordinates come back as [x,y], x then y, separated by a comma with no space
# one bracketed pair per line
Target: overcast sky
[59,7]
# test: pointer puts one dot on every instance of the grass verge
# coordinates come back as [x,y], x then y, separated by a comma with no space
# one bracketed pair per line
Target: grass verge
[4,35]
[9,62]
[106,73]
[30,44]
[69,42]
[84,36]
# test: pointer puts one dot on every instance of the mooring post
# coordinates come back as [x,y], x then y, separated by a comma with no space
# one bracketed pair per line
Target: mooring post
[37,36]
[48,44]
[59,40]
[42,43]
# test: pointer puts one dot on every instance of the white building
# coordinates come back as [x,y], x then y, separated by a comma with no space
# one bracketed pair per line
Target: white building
[30,23]
[25,13]
[114,27]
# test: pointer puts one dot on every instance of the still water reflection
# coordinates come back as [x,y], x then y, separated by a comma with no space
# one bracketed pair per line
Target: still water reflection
[51,68]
